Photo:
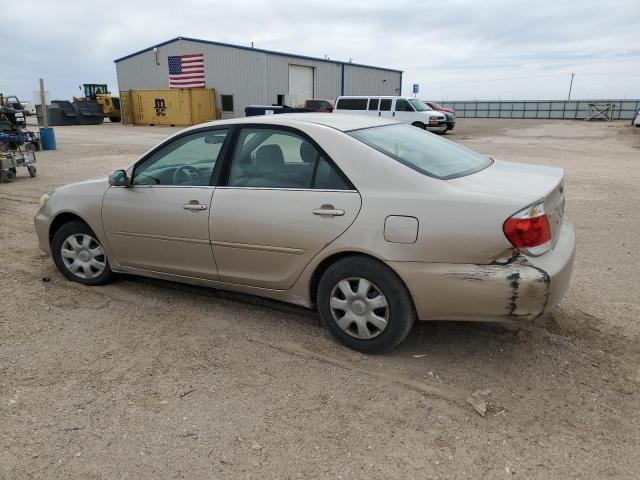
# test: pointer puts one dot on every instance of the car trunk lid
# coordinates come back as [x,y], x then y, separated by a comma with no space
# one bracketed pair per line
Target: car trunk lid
[520,185]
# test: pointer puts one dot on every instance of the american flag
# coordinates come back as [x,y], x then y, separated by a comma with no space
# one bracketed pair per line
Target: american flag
[186,71]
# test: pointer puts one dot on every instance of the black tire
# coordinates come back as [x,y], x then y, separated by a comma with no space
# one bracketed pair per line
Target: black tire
[33,171]
[401,312]
[419,125]
[7,176]
[115,119]
[77,228]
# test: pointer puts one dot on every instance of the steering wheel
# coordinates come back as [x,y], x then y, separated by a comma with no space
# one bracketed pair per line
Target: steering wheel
[187,175]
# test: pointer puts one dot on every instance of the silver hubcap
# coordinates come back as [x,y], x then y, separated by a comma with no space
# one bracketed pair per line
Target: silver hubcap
[83,256]
[359,308]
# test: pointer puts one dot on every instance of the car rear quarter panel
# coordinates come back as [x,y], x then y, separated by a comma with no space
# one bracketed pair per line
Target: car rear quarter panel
[454,225]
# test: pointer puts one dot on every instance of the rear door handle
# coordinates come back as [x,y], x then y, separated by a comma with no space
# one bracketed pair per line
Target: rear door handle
[194,206]
[329,211]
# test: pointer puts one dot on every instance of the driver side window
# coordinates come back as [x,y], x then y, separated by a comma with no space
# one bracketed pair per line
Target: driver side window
[403,106]
[187,161]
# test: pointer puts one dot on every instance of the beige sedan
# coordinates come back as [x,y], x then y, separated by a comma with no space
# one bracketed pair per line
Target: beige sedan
[372,222]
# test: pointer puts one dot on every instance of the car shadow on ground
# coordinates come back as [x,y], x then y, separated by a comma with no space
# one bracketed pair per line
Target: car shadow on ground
[447,337]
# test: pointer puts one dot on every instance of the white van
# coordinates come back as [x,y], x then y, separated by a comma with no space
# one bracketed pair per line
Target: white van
[404,109]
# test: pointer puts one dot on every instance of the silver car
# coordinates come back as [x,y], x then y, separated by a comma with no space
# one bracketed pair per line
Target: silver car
[374,223]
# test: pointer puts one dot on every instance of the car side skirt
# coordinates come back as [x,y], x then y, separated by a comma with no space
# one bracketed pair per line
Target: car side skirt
[288,296]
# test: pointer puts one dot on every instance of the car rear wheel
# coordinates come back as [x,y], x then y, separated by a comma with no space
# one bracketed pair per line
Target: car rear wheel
[79,255]
[365,305]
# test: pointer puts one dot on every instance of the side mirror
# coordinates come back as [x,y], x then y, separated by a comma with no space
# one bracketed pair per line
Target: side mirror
[119,178]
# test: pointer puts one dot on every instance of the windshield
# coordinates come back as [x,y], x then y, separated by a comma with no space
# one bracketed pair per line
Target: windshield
[418,105]
[426,153]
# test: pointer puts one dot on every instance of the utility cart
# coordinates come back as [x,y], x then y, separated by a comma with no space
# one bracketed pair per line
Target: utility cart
[17,145]
[10,160]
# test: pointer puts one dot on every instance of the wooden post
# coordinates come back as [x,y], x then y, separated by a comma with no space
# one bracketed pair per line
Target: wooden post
[43,103]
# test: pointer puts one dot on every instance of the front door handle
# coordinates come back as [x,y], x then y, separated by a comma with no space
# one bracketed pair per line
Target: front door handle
[329,211]
[194,206]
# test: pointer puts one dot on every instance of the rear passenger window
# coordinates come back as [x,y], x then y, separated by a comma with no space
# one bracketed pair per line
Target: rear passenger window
[352,104]
[373,103]
[385,104]
[272,158]
[327,178]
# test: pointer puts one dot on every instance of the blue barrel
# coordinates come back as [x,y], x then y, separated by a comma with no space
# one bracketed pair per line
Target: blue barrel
[47,138]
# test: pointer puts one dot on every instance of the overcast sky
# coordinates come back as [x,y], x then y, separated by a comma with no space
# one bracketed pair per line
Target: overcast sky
[454,49]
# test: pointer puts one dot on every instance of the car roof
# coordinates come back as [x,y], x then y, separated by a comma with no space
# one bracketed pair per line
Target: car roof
[342,122]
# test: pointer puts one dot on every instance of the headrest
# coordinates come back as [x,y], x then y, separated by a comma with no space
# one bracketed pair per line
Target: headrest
[269,157]
[307,152]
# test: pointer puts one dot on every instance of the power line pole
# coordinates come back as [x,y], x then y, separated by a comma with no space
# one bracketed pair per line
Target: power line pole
[571,85]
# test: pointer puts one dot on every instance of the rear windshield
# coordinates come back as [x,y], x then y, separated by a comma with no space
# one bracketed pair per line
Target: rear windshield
[425,152]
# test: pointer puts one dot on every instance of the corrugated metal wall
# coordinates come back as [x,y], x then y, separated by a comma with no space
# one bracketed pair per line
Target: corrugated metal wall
[549,109]
[251,76]
[370,81]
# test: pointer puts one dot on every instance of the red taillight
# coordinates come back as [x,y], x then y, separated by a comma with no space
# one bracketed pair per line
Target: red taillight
[528,228]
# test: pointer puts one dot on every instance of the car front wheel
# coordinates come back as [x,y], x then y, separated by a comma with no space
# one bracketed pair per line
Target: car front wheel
[365,305]
[79,255]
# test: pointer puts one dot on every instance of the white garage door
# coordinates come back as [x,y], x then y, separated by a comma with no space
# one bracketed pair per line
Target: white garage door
[300,83]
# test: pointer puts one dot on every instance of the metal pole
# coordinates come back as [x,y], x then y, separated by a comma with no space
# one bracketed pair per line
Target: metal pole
[45,115]
[570,86]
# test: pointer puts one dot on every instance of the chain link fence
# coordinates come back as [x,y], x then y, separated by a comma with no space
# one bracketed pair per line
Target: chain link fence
[554,109]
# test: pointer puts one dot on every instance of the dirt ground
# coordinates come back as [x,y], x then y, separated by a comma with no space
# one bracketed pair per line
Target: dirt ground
[147,379]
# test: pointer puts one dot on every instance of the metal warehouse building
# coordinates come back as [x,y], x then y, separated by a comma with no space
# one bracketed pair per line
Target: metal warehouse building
[243,76]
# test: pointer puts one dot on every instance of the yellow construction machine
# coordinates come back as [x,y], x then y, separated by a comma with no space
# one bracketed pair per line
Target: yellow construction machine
[97,92]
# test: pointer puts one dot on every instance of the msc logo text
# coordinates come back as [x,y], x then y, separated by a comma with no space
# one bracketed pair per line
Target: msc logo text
[161,107]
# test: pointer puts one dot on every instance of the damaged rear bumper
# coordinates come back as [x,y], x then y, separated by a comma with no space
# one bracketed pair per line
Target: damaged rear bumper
[523,288]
